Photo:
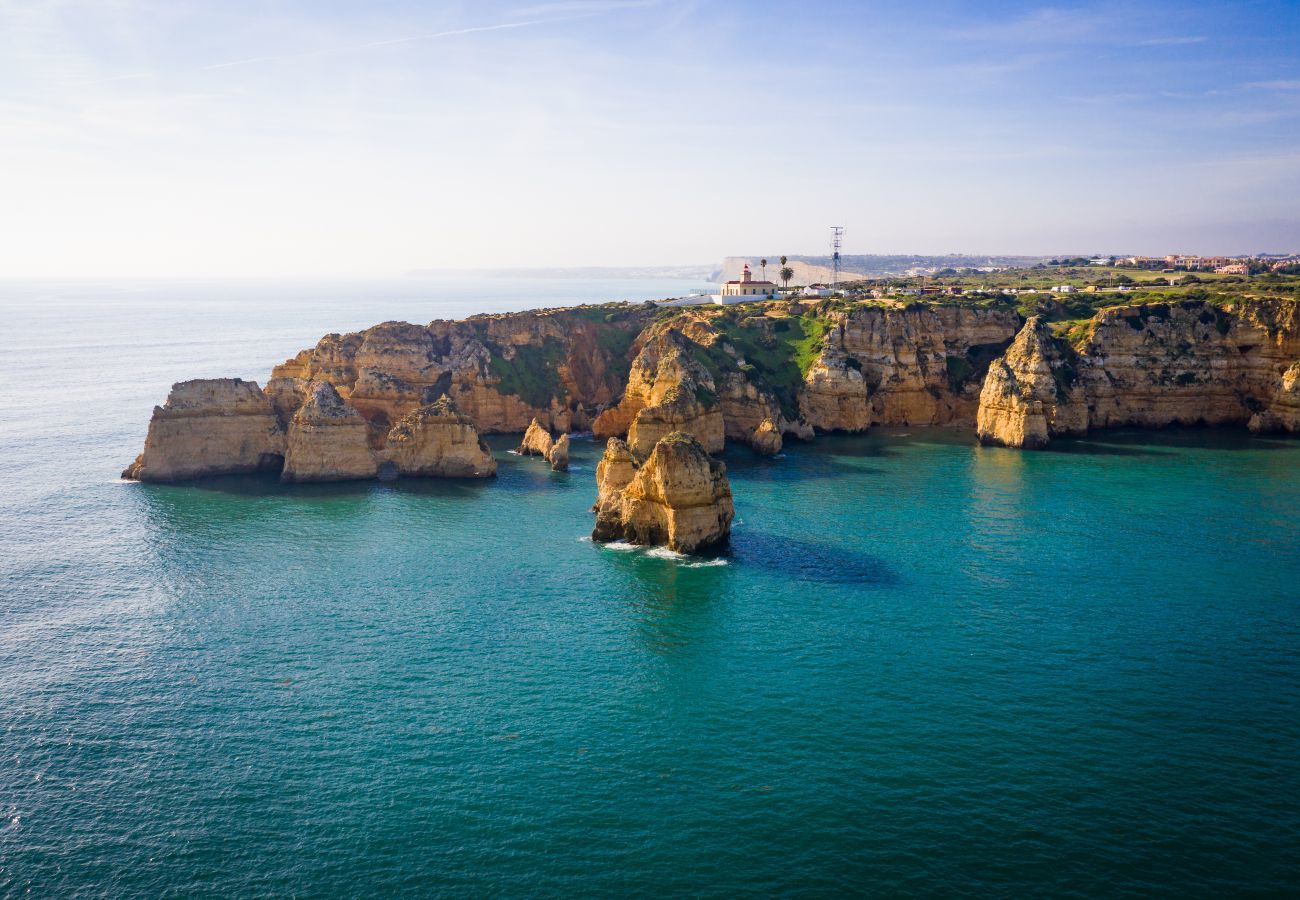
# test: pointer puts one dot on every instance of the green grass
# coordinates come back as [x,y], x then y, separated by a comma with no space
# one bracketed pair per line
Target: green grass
[532,375]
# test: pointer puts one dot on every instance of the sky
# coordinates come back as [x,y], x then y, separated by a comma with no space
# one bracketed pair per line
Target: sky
[321,137]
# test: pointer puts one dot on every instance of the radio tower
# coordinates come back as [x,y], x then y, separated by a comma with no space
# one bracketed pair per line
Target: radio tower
[837,239]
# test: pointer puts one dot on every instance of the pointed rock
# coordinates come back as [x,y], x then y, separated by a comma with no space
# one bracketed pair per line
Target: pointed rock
[1032,393]
[328,440]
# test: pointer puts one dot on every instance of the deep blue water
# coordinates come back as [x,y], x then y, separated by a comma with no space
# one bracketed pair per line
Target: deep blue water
[924,666]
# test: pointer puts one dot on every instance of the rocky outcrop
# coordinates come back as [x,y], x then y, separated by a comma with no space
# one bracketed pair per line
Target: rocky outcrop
[212,426]
[328,440]
[679,497]
[668,390]
[1186,363]
[561,367]
[435,440]
[921,364]
[834,394]
[1283,411]
[755,374]
[1032,393]
[1178,363]
[614,472]
[539,442]
[559,455]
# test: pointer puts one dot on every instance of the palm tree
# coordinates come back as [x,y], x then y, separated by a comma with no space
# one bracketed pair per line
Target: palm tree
[763,265]
[786,272]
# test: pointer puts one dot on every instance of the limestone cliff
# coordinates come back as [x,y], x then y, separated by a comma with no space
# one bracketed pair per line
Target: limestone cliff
[920,364]
[1032,393]
[328,440]
[834,396]
[539,442]
[214,426]
[679,497]
[1187,363]
[1283,410]
[436,440]
[754,373]
[1176,363]
[561,367]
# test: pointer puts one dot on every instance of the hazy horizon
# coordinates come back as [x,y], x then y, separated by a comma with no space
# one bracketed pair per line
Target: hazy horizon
[198,139]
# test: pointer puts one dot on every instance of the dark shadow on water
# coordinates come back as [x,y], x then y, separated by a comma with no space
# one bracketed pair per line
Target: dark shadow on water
[269,485]
[1091,447]
[1167,441]
[809,561]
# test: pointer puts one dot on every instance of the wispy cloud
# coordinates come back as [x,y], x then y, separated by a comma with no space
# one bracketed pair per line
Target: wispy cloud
[584,7]
[1280,85]
[1048,25]
[1173,41]
[370,45]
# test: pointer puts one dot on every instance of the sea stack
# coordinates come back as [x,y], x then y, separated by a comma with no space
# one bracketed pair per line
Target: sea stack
[210,426]
[678,498]
[1032,393]
[436,440]
[328,440]
[539,442]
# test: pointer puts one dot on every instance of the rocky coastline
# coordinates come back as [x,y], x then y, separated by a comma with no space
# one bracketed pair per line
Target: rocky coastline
[408,400]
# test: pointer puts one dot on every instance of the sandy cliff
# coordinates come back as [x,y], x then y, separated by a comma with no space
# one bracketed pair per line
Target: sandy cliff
[1178,363]
[755,374]
[679,497]
[214,426]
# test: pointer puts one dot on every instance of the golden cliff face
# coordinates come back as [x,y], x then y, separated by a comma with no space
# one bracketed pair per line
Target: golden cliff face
[920,365]
[1032,393]
[328,440]
[212,426]
[754,374]
[679,497]
[558,366]
[1183,363]
[435,440]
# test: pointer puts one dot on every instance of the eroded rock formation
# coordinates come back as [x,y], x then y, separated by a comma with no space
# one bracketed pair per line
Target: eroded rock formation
[328,440]
[210,426]
[1178,363]
[437,441]
[679,497]
[756,374]
[539,442]
[1033,392]
[1283,410]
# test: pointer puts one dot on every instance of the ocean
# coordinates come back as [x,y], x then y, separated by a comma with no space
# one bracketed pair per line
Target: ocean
[923,667]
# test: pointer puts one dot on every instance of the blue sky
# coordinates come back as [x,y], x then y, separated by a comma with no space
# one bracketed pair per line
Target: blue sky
[287,138]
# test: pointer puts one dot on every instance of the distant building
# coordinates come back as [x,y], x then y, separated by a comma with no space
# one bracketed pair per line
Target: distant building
[817,290]
[748,287]
[1233,269]
[1064,289]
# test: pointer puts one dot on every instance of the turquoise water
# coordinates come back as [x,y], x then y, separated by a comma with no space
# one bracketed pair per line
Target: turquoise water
[924,666]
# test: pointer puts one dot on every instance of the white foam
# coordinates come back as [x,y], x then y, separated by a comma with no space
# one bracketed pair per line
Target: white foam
[704,564]
[514,453]
[621,546]
[585,539]
[664,553]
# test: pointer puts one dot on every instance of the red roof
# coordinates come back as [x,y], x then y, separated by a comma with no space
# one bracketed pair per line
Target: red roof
[773,283]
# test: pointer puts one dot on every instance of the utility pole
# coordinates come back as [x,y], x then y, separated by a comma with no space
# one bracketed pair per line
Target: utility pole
[837,239]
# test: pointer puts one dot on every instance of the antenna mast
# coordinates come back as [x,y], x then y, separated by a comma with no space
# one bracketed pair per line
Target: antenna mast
[837,239]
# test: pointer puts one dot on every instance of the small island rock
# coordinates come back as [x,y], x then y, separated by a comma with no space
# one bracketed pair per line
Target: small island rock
[679,497]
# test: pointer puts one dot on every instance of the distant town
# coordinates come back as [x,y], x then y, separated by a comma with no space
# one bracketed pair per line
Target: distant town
[1098,274]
